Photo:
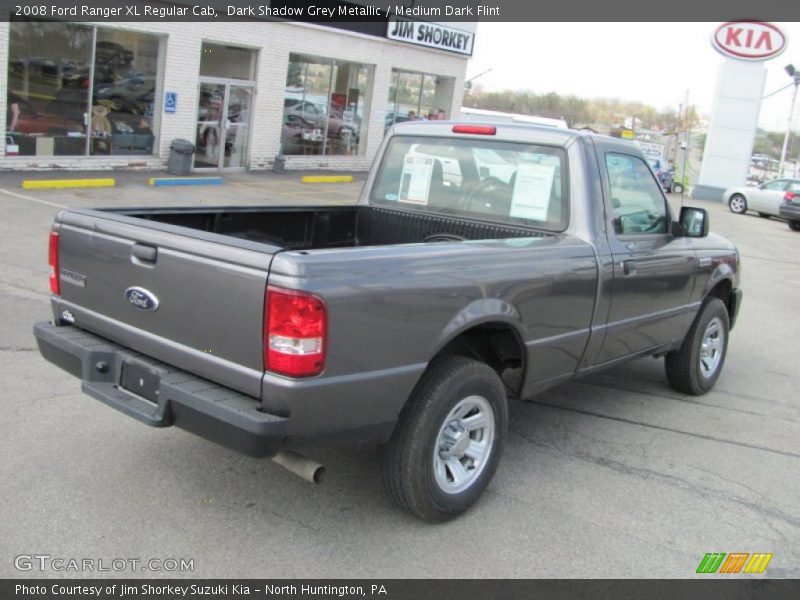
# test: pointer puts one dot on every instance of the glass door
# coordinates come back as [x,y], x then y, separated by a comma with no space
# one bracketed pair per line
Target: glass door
[210,107]
[237,126]
[223,125]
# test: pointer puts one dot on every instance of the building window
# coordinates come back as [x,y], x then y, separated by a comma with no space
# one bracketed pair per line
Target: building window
[324,106]
[418,96]
[75,90]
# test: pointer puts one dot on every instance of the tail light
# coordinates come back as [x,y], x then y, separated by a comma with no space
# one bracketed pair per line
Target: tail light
[295,328]
[788,197]
[55,276]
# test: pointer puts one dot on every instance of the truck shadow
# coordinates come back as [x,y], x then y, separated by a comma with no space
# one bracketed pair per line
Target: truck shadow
[352,492]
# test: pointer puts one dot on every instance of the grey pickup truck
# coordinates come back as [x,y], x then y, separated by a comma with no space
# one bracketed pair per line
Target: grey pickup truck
[481,263]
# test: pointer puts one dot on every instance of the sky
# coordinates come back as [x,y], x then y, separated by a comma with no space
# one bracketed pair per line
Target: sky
[655,63]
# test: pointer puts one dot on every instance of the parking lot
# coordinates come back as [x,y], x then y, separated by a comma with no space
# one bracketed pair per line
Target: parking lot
[615,475]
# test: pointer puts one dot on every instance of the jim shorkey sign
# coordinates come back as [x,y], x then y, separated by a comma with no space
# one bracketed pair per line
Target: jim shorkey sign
[746,46]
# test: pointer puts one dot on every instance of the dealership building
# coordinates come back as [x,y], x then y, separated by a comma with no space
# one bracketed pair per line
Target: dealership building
[115,95]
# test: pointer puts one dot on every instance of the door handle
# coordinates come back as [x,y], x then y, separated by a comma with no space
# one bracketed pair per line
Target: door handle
[144,253]
[628,267]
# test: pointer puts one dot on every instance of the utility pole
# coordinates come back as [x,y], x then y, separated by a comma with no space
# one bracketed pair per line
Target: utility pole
[688,151]
[677,136]
[686,146]
[790,121]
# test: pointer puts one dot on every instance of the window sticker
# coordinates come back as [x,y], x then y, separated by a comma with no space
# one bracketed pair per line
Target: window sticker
[532,189]
[415,181]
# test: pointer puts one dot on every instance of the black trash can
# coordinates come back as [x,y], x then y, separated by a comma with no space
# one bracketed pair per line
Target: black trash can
[180,157]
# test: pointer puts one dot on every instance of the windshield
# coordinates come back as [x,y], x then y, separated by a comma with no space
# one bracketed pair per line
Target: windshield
[509,181]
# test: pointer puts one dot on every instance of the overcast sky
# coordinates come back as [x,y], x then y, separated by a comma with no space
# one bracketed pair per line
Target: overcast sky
[655,63]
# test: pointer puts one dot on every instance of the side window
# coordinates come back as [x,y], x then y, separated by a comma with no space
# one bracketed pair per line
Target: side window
[636,199]
[779,185]
[794,186]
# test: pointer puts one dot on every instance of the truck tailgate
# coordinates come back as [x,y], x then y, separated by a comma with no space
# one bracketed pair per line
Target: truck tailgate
[198,303]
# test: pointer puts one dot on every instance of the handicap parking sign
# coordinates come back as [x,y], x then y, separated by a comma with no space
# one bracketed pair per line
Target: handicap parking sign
[170,102]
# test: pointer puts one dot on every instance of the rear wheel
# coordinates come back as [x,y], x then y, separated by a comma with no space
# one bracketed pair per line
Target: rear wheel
[695,367]
[738,204]
[677,188]
[448,440]
[794,225]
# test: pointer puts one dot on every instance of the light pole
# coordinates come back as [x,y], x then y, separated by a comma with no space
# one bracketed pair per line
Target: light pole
[795,75]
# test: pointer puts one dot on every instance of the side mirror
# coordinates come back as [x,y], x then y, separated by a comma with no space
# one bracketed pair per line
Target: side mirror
[694,221]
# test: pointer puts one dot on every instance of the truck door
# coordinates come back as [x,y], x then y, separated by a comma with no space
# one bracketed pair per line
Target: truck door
[653,271]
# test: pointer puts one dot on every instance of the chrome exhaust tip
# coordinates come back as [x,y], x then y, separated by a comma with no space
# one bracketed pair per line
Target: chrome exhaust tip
[301,466]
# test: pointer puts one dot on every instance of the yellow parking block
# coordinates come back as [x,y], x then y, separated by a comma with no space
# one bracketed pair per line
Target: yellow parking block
[41,184]
[327,179]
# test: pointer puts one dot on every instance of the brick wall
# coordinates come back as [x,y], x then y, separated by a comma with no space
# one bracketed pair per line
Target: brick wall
[274,42]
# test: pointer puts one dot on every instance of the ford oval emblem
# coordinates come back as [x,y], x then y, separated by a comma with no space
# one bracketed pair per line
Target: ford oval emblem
[141,298]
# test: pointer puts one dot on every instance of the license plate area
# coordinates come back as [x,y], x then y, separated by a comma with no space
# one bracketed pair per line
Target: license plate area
[140,381]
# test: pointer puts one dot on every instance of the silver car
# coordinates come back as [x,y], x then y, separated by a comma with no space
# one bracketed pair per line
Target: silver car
[766,199]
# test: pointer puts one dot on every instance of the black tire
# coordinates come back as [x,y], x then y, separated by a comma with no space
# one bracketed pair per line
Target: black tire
[737,204]
[794,225]
[764,215]
[683,368]
[677,188]
[407,461]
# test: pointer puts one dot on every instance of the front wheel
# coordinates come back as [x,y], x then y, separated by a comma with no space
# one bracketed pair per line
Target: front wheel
[738,204]
[448,440]
[677,188]
[695,367]
[794,225]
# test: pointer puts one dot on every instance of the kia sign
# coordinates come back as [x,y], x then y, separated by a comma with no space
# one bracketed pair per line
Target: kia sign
[749,40]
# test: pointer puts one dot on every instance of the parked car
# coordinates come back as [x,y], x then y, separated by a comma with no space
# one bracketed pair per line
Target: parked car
[318,114]
[299,135]
[393,118]
[33,122]
[137,89]
[112,53]
[790,210]
[765,199]
[409,319]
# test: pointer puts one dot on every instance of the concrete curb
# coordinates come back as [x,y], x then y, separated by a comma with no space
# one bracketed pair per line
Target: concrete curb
[326,178]
[41,184]
[184,181]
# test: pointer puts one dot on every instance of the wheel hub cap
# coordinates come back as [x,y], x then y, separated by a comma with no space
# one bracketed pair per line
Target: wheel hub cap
[711,347]
[455,441]
[464,444]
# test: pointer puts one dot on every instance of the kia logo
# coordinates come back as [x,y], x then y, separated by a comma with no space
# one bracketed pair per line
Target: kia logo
[141,298]
[749,40]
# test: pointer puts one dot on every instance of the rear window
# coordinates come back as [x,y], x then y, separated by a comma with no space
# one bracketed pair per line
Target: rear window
[508,181]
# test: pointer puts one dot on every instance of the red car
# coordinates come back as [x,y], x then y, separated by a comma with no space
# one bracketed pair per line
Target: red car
[31,121]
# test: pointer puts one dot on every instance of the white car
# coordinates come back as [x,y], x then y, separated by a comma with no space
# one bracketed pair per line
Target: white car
[766,199]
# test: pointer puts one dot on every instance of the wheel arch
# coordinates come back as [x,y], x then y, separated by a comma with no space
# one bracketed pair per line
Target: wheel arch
[721,287]
[494,337]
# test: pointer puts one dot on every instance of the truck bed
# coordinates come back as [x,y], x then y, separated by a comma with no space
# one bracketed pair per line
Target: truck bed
[334,227]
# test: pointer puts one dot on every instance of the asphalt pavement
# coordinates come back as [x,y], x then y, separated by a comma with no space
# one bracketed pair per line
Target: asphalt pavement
[615,475]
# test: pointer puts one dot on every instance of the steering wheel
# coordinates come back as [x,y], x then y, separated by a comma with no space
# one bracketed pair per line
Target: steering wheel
[491,195]
[642,221]
[444,237]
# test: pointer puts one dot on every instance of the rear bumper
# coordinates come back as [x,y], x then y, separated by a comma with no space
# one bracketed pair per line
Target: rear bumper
[790,212]
[199,406]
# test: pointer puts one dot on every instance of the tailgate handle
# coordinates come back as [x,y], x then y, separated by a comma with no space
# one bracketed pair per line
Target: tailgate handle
[144,252]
